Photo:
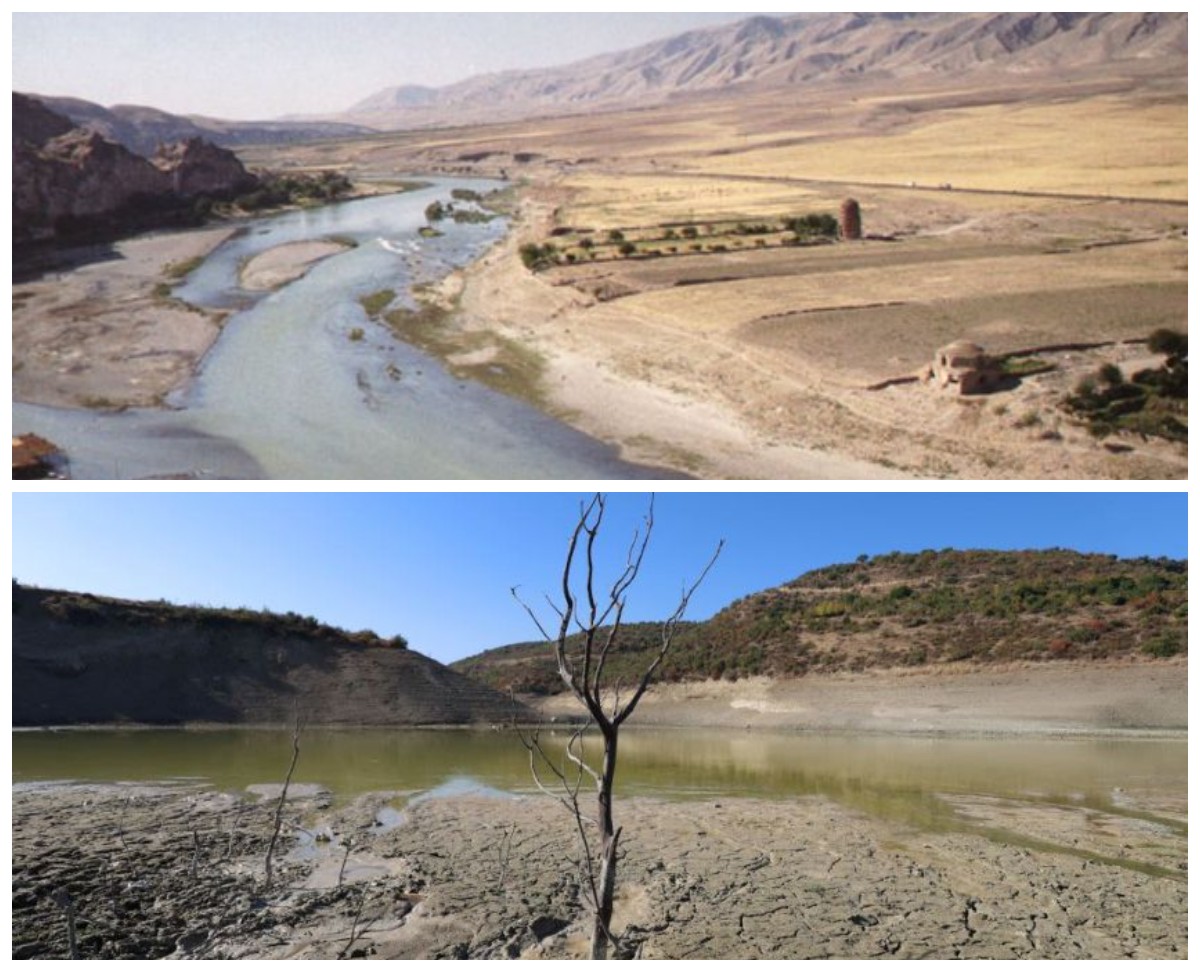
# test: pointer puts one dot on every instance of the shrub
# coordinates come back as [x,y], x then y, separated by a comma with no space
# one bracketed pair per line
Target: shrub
[1168,342]
[538,257]
[1166,645]
[814,224]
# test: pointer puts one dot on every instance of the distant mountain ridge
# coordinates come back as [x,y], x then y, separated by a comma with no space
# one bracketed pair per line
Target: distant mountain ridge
[764,51]
[790,51]
[81,658]
[906,610]
[142,129]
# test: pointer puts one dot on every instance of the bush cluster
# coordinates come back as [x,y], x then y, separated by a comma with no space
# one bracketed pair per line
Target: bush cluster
[1151,403]
[275,190]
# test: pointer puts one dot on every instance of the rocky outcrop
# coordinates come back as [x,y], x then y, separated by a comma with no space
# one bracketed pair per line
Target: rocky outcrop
[79,659]
[70,182]
[199,168]
[34,123]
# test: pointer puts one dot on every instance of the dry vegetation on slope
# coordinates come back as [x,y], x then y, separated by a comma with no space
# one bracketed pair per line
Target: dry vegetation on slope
[908,610]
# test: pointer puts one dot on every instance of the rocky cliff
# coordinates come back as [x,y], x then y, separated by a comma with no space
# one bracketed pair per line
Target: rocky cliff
[79,659]
[199,168]
[70,182]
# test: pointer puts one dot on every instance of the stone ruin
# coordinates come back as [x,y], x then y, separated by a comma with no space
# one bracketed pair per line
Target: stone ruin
[965,368]
[851,220]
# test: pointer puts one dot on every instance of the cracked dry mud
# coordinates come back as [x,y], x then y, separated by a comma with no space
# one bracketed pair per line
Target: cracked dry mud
[476,877]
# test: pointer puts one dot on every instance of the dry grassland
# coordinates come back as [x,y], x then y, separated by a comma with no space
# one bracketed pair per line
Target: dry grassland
[648,200]
[756,362]
[1117,146]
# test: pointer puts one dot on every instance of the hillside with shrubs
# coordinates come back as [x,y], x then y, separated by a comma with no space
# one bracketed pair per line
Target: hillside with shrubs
[907,610]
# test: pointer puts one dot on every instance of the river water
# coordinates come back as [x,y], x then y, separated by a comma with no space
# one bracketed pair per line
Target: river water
[893,776]
[286,394]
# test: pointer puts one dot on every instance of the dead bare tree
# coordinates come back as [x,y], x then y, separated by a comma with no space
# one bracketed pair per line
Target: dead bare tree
[297,728]
[595,619]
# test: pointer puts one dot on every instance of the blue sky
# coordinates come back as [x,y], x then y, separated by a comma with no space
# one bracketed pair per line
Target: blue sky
[263,65]
[437,567]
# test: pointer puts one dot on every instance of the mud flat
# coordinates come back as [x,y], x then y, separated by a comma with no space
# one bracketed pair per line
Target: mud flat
[158,871]
[283,264]
[104,332]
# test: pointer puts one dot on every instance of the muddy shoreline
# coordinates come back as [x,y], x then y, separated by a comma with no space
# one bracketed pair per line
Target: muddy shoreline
[178,871]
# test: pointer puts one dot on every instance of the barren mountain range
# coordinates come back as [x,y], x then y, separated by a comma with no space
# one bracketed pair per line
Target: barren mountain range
[790,52]
[787,53]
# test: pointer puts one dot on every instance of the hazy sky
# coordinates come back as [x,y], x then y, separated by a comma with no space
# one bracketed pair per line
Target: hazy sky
[437,568]
[259,66]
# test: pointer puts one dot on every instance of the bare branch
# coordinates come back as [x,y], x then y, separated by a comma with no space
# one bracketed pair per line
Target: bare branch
[668,636]
[532,616]
[345,859]
[569,798]
[297,727]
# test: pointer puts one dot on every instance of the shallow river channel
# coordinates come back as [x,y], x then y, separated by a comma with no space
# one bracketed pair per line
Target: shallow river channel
[287,393]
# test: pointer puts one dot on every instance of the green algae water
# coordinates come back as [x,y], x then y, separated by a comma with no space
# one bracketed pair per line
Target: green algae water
[888,775]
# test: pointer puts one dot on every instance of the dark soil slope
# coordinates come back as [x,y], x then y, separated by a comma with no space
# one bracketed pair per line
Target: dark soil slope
[908,610]
[84,659]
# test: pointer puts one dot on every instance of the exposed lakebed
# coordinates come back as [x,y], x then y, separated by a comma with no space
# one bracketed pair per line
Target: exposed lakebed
[736,845]
[303,385]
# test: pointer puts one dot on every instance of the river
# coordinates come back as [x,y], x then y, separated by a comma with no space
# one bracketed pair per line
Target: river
[286,394]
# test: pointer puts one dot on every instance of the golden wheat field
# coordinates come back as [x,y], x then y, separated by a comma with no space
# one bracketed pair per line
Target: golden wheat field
[1111,145]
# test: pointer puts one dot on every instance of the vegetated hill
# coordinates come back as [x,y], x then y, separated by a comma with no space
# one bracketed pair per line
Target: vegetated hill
[796,50]
[142,129]
[906,610]
[81,659]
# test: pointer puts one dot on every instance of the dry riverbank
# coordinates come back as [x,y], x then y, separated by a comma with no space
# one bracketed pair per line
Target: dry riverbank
[1020,699]
[731,378]
[160,872]
[686,425]
[104,331]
